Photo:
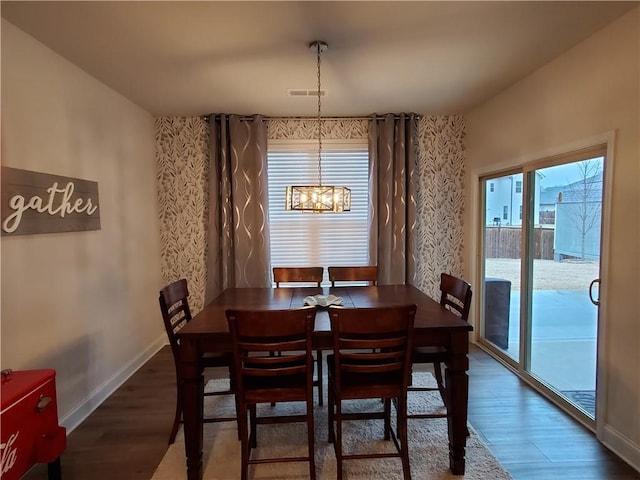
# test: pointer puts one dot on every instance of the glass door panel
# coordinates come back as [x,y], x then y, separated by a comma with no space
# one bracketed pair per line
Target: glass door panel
[502,239]
[565,244]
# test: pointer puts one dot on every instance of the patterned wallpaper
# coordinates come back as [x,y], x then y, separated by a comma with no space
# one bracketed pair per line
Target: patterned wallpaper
[440,200]
[307,129]
[181,151]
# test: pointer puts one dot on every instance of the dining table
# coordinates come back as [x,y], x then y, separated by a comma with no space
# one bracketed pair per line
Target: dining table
[434,326]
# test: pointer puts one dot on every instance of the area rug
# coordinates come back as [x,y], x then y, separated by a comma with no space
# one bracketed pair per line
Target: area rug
[428,445]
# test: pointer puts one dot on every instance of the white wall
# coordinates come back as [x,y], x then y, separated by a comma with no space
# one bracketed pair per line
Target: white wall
[83,303]
[590,90]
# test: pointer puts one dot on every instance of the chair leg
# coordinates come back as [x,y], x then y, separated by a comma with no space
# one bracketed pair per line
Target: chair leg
[320,387]
[253,421]
[387,419]
[337,444]
[177,417]
[332,436]
[401,411]
[243,430]
[437,370]
[274,354]
[232,387]
[311,437]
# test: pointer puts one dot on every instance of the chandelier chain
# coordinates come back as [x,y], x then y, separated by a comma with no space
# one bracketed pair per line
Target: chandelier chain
[318,47]
[318,198]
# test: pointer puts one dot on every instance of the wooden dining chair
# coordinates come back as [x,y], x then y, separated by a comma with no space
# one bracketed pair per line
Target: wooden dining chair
[371,359]
[298,275]
[262,377]
[304,275]
[368,273]
[455,294]
[174,305]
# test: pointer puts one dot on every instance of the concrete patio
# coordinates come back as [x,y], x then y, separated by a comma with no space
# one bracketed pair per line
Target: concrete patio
[564,322]
[564,334]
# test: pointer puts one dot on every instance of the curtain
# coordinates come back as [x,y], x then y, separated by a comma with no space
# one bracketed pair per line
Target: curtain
[238,206]
[393,141]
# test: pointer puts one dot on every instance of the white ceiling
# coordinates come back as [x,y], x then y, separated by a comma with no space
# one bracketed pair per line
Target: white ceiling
[193,58]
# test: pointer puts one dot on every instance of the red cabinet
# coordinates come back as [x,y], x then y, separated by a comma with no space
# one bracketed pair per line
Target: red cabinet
[29,427]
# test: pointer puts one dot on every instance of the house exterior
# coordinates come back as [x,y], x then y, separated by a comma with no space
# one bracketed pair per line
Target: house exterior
[504,201]
[578,212]
[549,198]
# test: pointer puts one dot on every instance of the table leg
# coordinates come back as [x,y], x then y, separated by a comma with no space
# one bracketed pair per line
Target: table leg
[457,383]
[192,404]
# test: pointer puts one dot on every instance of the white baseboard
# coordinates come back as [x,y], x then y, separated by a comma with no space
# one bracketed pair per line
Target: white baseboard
[78,414]
[621,446]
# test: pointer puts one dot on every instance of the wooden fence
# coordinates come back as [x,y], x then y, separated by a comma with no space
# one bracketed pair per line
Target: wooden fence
[506,242]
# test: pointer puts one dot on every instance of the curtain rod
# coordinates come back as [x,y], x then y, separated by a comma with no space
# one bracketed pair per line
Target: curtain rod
[378,117]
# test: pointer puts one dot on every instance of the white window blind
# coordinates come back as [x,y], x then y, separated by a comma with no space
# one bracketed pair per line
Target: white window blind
[318,239]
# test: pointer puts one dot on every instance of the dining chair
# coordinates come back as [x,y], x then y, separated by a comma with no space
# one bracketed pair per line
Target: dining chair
[455,295]
[298,275]
[174,305]
[304,275]
[368,273]
[261,377]
[371,359]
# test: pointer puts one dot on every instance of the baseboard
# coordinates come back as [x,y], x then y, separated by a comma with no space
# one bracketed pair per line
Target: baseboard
[621,446]
[86,407]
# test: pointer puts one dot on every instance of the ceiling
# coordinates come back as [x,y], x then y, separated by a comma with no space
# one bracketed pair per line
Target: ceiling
[192,58]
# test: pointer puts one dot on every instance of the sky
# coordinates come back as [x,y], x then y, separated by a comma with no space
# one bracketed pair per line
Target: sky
[561,175]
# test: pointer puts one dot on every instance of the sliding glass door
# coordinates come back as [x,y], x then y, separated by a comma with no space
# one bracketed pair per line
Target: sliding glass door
[502,262]
[541,263]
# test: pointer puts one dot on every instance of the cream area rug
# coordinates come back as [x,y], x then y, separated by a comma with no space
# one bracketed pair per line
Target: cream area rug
[428,445]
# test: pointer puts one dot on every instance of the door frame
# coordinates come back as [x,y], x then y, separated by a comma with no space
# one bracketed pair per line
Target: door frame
[527,162]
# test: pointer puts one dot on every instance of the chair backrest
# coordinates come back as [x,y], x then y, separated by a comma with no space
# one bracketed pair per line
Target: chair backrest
[367,273]
[174,305]
[373,343]
[298,274]
[272,343]
[454,288]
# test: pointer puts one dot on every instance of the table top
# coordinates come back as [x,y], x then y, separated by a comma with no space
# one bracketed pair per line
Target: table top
[430,315]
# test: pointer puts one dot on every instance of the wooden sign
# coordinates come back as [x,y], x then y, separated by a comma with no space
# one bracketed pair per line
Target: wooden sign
[34,202]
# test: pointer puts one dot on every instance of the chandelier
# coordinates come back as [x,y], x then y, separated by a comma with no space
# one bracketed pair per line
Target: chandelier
[318,198]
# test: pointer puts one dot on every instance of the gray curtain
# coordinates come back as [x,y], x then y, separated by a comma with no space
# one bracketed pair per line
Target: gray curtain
[393,141]
[237,218]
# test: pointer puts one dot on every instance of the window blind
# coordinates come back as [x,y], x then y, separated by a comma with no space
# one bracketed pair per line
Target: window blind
[318,239]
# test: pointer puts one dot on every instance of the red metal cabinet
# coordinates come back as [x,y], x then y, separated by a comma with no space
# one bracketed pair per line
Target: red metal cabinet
[29,430]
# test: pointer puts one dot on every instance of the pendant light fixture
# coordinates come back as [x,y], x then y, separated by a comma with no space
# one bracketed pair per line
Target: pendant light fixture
[318,198]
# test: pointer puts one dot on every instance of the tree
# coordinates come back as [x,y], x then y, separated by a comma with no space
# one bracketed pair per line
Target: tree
[585,195]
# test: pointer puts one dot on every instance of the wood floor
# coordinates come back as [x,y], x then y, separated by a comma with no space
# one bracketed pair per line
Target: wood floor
[532,438]
[126,437]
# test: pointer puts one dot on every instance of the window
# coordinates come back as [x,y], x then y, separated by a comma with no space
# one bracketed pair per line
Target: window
[518,186]
[505,212]
[491,187]
[318,239]
[520,212]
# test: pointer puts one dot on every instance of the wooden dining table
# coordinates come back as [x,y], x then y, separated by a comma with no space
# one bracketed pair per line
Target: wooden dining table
[434,326]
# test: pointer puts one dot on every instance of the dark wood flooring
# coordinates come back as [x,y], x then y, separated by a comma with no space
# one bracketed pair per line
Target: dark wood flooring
[126,437]
[532,438]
